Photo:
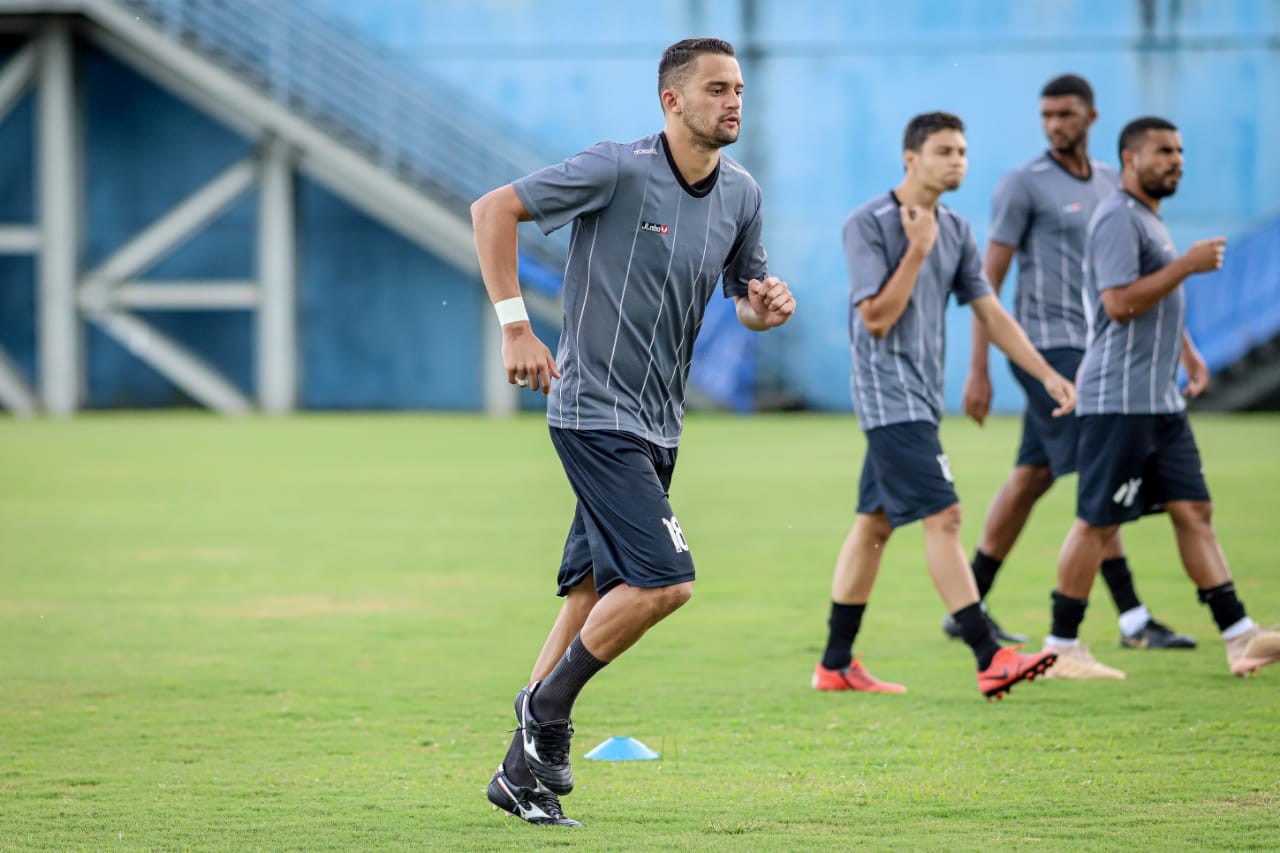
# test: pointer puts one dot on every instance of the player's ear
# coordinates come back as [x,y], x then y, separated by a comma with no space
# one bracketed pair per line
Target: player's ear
[670,100]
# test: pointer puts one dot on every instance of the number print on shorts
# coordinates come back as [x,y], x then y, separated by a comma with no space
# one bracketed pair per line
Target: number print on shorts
[677,535]
[1128,492]
[945,466]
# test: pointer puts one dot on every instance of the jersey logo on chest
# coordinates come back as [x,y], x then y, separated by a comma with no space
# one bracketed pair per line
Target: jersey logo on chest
[654,227]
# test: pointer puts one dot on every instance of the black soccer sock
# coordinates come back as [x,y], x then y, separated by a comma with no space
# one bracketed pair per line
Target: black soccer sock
[1068,613]
[1226,607]
[975,628]
[843,627]
[984,571]
[555,695]
[514,764]
[1120,581]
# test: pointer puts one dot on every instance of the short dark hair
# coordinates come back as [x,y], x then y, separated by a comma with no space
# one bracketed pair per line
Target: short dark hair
[925,125]
[1135,132]
[676,59]
[1069,84]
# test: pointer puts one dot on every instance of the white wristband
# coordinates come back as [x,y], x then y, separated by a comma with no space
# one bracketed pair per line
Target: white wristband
[510,310]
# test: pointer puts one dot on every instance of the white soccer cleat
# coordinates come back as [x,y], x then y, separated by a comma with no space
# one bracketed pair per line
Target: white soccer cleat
[1252,650]
[1076,662]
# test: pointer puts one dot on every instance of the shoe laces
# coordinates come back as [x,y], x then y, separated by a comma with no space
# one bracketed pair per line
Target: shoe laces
[554,738]
[547,801]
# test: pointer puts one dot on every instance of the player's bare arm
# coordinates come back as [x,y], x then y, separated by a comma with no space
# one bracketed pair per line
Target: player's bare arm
[1124,303]
[1006,334]
[767,305]
[1194,364]
[977,395]
[880,312]
[495,218]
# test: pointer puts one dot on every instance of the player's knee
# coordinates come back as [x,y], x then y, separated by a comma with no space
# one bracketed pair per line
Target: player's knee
[947,521]
[668,599]
[1191,515]
[878,528]
[1031,482]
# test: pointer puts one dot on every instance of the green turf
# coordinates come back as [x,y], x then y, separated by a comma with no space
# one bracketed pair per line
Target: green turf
[307,633]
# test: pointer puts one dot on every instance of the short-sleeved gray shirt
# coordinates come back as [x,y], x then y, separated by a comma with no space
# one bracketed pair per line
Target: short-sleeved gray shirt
[1043,210]
[646,252]
[1129,368]
[898,378]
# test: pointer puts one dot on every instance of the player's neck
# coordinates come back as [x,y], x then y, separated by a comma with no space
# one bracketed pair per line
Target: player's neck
[911,193]
[1075,160]
[1133,188]
[694,161]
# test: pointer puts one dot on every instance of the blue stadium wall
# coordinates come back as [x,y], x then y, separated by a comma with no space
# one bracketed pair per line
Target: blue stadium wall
[829,87]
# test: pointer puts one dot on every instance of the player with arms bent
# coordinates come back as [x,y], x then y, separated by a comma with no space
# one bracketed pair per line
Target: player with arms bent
[907,254]
[656,224]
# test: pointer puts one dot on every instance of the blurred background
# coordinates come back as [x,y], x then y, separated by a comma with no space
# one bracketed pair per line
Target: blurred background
[261,205]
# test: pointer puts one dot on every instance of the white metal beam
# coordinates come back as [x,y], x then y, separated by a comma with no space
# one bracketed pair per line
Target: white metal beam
[16,77]
[277,271]
[175,361]
[58,182]
[364,184]
[19,239]
[14,393]
[186,295]
[169,231]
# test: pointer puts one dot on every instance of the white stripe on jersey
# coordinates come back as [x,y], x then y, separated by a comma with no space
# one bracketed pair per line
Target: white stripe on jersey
[662,307]
[573,243]
[622,298]
[875,376]
[577,332]
[684,325]
[1128,359]
[1035,259]
[1155,351]
[1102,379]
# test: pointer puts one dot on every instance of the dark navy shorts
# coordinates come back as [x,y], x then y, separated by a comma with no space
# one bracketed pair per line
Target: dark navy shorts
[905,473]
[1046,440]
[1131,465]
[623,528]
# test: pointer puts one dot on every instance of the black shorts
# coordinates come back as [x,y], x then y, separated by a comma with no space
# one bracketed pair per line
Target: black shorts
[1131,465]
[1047,440]
[905,473]
[623,528]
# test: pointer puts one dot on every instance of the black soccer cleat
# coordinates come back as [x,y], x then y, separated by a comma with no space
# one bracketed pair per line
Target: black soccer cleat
[532,805]
[546,745]
[951,628]
[1154,635]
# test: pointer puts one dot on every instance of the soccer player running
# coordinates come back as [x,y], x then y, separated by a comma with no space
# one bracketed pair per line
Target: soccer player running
[907,254]
[1137,453]
[656,223]
[1040,212]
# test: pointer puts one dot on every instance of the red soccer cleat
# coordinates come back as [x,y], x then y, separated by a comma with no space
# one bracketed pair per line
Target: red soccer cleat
[1008,668]
[852,677]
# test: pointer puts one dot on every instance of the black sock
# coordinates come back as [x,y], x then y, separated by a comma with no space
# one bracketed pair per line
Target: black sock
[984,571]
[976,631]
[554,697]
[843,627]
[1068,613]
[1120,581]
[1226,607]
[514,764]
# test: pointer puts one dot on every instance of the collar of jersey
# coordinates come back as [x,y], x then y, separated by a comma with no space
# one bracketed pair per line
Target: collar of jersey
[702,188]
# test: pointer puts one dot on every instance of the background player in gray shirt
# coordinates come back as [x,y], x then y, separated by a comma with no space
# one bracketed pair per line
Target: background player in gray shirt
[656,223]
[907,254]
[1137,452]
[1040,213]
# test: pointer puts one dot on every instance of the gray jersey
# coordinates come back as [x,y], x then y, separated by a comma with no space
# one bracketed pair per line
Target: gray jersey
[899,377]
[1129,368]
[1043,211]
[646,252]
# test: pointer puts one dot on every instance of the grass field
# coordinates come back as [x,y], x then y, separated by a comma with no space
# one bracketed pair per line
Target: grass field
[307,633]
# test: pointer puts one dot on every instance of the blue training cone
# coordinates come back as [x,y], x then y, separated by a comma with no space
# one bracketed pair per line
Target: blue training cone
[622,749]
